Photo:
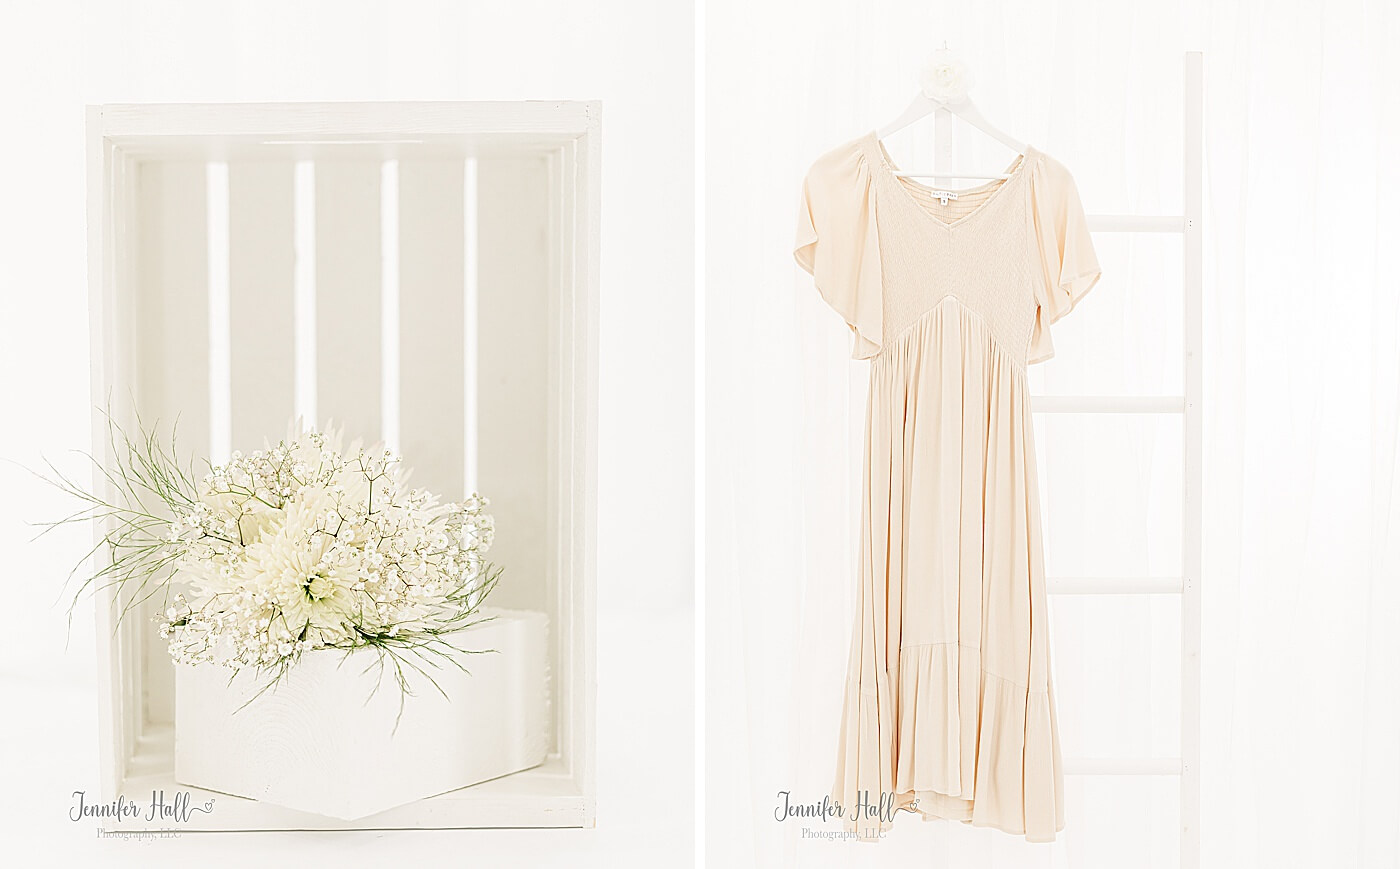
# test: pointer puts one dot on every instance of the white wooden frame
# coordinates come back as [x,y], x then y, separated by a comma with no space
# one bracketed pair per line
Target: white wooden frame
[137,759]
[1188,406]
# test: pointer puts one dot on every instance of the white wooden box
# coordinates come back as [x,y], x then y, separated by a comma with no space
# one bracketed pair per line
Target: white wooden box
[423,273]
[337,737]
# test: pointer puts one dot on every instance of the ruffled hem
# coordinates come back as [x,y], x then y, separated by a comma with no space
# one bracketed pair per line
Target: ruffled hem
[970,746]
[864,786]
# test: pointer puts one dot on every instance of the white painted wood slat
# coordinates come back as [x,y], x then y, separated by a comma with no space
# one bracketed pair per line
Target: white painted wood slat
[172,366]
[405,122]
[513,362]
[1192,494]
[348,297]
[1107,404]
[430,322]
[1114,585]
[1167,223]
[1122,766]
[261,303]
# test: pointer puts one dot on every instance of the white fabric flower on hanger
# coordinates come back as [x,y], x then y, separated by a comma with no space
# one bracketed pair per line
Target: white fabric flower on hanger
[945,78]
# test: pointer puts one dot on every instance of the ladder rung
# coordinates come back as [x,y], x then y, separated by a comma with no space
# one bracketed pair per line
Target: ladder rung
[1108,404]
[1123,766]
[1114,585]
[1137,222]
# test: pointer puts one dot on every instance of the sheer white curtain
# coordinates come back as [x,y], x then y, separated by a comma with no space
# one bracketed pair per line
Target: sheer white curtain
[1301,725]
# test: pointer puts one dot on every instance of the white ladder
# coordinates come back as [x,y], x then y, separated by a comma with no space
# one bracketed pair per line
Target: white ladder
[1188,765]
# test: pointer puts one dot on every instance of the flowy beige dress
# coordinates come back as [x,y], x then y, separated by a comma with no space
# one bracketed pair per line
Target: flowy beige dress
[948,709]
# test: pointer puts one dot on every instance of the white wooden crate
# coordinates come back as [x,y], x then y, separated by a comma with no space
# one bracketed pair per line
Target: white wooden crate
[424,273]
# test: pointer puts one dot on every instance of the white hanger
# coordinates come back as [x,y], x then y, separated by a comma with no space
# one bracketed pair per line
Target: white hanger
[943,93]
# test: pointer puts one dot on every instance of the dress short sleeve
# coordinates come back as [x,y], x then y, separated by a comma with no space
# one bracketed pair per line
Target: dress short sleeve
[837,243]
[1070,265]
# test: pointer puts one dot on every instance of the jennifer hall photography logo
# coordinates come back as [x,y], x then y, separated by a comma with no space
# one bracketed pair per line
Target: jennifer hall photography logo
[162,809]
[866,811]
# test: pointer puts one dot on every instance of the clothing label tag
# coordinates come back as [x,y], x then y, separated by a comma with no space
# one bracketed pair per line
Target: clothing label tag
[943,195]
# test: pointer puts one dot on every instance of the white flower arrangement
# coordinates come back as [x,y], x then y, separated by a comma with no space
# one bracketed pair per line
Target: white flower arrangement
[293,548]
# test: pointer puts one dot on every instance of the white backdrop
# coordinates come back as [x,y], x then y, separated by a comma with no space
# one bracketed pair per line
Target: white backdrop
[1302,366]
[57,57]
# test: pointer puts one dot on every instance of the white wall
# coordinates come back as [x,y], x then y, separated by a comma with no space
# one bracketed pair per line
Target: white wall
[634,56]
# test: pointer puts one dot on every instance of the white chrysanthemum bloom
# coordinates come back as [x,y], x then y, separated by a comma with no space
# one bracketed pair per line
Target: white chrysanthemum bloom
[294,567]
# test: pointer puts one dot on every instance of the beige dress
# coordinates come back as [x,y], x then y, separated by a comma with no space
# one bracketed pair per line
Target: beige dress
[948,707]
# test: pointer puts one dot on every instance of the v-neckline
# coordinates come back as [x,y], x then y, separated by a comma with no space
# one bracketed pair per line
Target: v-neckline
[1014,170]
